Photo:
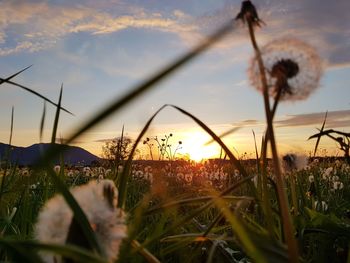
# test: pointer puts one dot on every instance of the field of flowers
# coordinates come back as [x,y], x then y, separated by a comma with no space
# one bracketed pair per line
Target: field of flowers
[164,207]
[269,209]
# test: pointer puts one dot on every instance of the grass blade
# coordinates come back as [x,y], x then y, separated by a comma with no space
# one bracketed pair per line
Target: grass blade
[144,252]
[57,116]
[199,210]
[118,157]
[20,253]
[7,156]
[42,122]
[68,251]
[228,132]
[11,129]
[319,138]
[192,201]
[14,75]
[33,92]
[241,232]
[256,152]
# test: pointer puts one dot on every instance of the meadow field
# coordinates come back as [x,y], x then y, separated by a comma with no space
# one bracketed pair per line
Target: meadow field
[272,208]
[176,210]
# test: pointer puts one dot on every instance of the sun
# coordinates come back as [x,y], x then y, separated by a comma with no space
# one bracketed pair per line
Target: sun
[195,146]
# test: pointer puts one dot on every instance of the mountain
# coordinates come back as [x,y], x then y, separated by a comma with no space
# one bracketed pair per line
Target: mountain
[29,155]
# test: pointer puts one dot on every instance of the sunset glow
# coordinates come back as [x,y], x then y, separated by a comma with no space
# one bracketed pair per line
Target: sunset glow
[196,148]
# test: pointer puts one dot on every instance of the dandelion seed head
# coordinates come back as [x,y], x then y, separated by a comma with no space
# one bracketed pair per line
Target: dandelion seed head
[293,161]
[327,173]
[322,206]
[98,200]
[188,178]
[25,172]
[57,169]
[311,179]
[298,62]
[337,185]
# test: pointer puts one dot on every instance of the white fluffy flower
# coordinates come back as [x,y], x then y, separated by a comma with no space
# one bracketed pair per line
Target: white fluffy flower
[335,178]
[25,172]
[338,185]
[87,171]
[311,179]
[293,161]
[321,206]
[296,61]
[188,178]
[98,200]
[57,169]
[327,173]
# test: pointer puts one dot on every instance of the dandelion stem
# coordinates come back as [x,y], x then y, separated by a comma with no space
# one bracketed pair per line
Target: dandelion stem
[287,222]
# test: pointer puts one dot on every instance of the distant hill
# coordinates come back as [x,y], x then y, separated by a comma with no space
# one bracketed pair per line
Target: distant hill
[29,155]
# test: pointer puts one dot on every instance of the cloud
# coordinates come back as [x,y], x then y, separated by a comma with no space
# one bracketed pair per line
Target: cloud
[30,26]
[105,140]
[335,119]
[323,24]
[64,141]
[247,123]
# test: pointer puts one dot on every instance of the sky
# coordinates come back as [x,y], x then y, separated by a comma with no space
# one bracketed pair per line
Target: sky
[99,50]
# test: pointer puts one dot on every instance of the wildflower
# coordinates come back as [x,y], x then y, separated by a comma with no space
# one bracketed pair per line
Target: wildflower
[101,170]
[180,176]
[139,174]
[337,163]
[255,180]
[327,173]
[293,161]
[98,200]
[311,179]
[338,185]
[335,178]
[25,172]
[248,14]
[321,206]
[188,178]
[108,172]
[315,162]
[216,175]
[292,66]
[87,171]
[57,169]
[223,175]
[149,177]
[237,173]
